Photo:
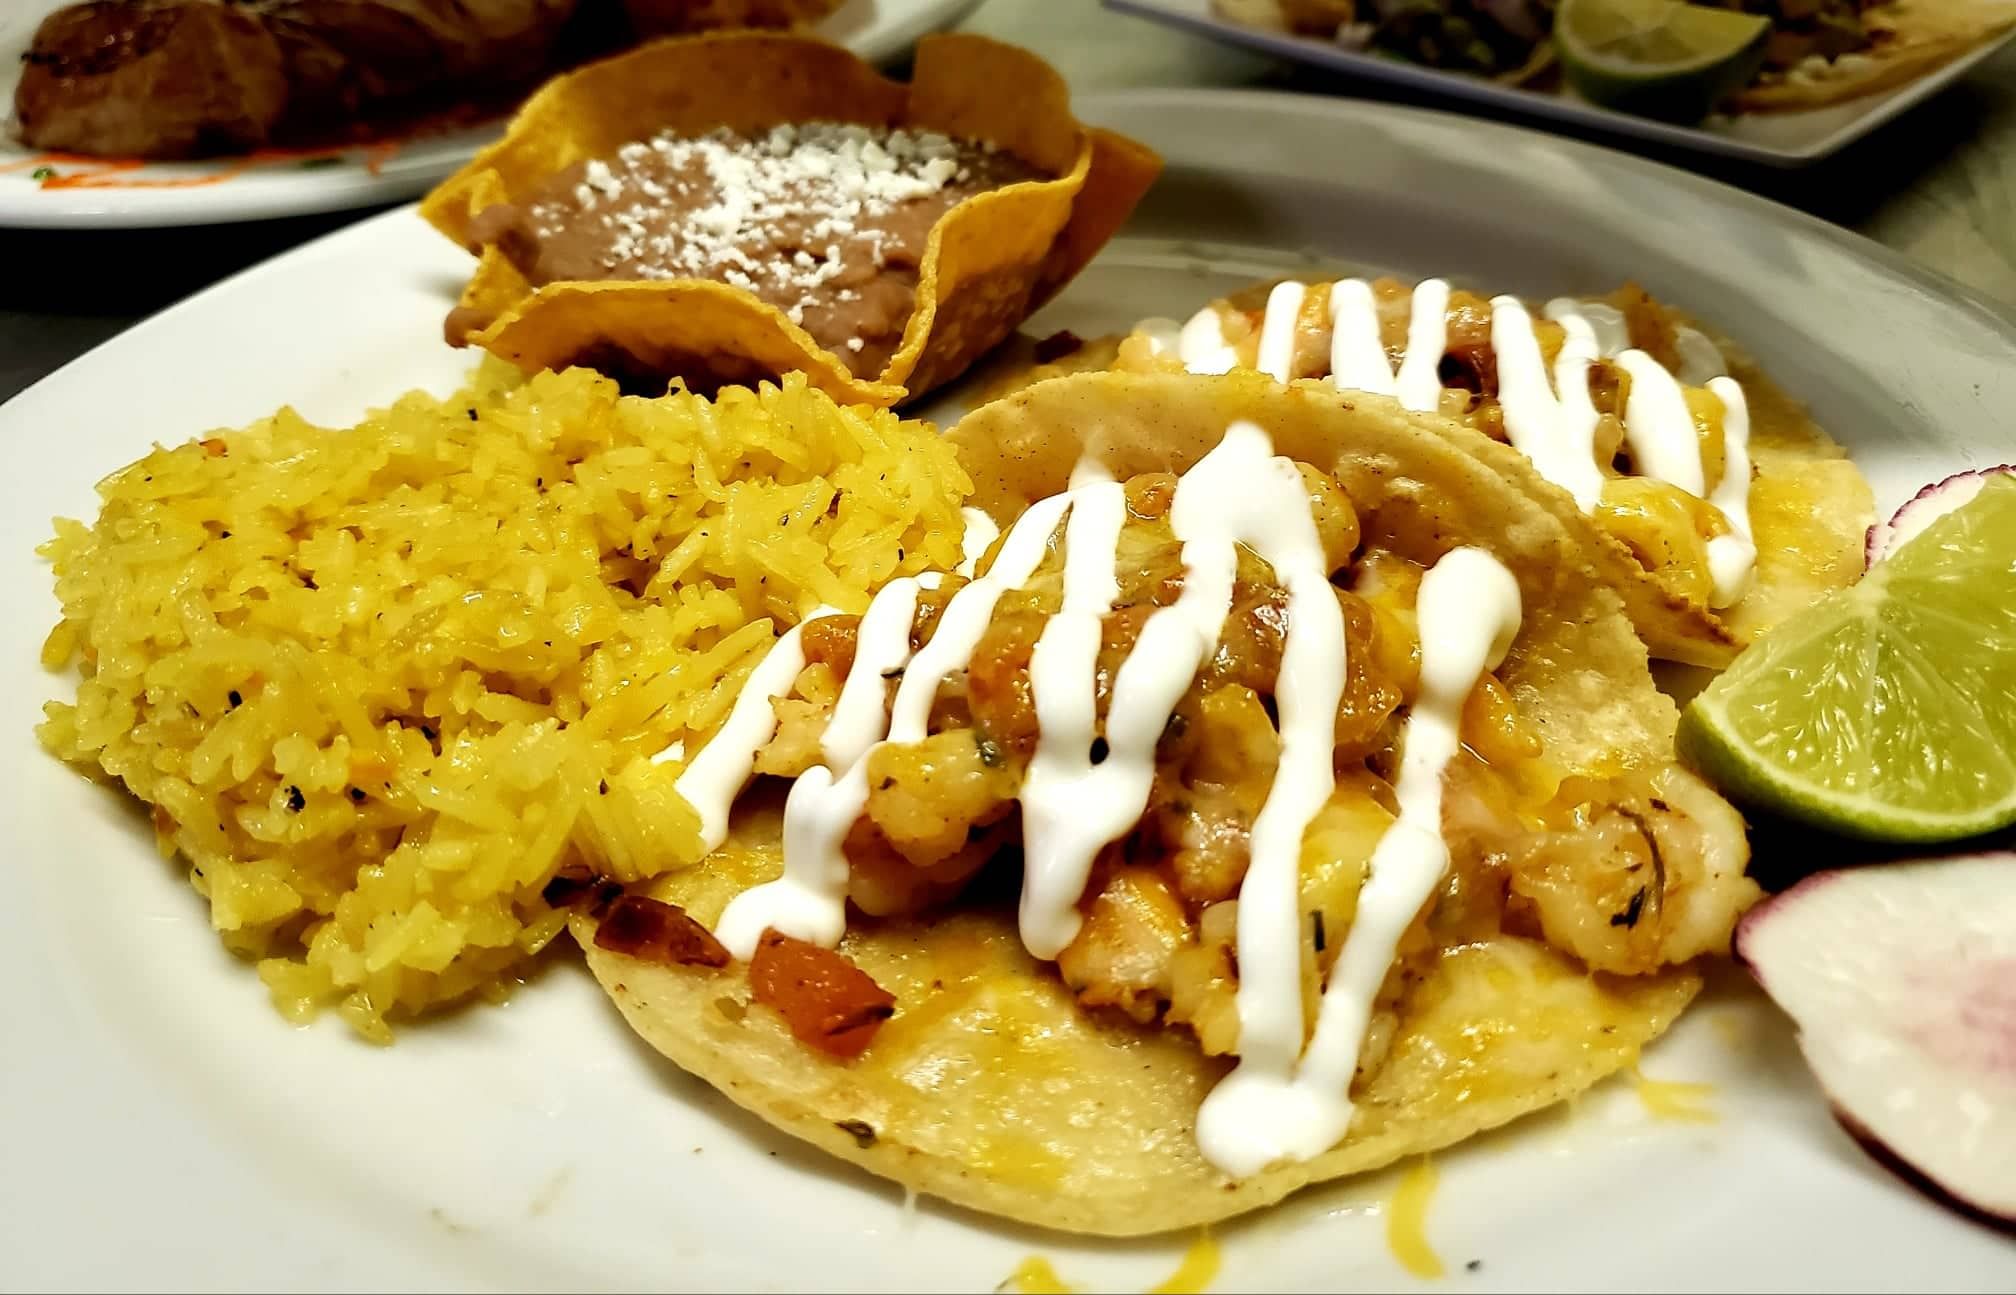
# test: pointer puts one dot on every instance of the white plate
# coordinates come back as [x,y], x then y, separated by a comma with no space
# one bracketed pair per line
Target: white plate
[165,1129]
[1775,139]
[224,189]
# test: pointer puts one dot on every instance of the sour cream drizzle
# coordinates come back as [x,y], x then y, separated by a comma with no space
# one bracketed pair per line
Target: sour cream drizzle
[973,543]
[1282,1100]
[1277,330]
[1732,557]
[1558,433]
[711,782]
[817,812]
[1107,799]
[1552,423]
[1358,357]
[1658,426]
[809,902]
[1202,345]
[1273,1107]
[1061,677]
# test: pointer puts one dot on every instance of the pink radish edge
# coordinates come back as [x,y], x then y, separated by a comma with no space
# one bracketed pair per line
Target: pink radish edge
[1882,537]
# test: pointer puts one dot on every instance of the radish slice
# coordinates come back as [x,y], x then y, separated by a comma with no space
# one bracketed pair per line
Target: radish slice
[1902,981]
[1926,507]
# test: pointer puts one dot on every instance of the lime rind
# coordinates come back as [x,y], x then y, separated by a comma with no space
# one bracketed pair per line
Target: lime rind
[1658,58]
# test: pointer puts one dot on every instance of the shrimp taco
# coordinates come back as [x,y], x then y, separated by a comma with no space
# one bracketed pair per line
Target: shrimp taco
[1822,52]
[1719,507]
[1274,792]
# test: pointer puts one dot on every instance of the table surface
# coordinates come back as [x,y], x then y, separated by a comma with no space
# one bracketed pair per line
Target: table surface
[1939,184]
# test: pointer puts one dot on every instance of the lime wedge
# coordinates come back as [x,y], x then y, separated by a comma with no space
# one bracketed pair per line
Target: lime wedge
[1658,58]
[1883,711]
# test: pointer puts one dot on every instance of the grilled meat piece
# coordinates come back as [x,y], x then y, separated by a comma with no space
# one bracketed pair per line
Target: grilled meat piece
[181,78]
[155,80]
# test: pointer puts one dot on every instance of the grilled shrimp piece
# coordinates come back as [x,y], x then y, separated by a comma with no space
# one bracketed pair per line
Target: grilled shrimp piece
[1651,874]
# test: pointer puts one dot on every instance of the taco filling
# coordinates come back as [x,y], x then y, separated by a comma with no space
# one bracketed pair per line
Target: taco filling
[1620,403]
[1267,746]
[827,221]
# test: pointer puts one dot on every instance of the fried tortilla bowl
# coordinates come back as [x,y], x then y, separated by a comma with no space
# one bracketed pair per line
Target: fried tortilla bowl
[988,263]
[1913,37]
[994,1088]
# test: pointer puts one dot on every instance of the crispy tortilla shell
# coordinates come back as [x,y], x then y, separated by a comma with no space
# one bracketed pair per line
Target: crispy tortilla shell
[991,1086]
[987,264]
[1914,37]
[993,1089]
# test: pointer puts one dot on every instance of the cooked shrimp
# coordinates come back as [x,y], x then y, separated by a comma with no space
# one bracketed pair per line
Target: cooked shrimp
[1649,874]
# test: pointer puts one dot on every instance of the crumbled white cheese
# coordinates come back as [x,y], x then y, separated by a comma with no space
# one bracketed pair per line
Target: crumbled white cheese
[601,179]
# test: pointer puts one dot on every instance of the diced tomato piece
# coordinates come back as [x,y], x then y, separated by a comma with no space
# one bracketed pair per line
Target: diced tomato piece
[655,931]
[829,1003]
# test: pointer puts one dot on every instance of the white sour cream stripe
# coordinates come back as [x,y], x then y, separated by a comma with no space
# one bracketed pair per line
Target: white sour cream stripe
[809,901]
[1658,426]
[1358,351]
[1306,695]
[1420,380]
[1558,433]
[1732,558]
[1202,347]
[1108,799]
[1062,669]
[980,533]
[1277,330]
[1606,323]
[1270,1109]
[711,783]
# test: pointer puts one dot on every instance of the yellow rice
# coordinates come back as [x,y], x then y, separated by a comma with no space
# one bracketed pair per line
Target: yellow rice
[381,683]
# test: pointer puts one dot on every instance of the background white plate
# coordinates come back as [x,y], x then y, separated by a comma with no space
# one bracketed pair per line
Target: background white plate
[1776,139]
[878,30]
[165,1129]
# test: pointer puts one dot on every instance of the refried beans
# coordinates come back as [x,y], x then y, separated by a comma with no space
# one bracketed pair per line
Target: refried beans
[826,221]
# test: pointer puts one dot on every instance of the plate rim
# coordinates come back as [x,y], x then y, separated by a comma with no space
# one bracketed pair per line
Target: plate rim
[1849,242]
[1309,52]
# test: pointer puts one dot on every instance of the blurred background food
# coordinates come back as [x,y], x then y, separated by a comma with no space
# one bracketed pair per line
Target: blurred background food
[192,78]
[1655,57]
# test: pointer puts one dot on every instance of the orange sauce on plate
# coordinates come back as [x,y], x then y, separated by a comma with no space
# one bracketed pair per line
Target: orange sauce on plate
[1669,1100]
[1406,1221]
[1196,1272]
